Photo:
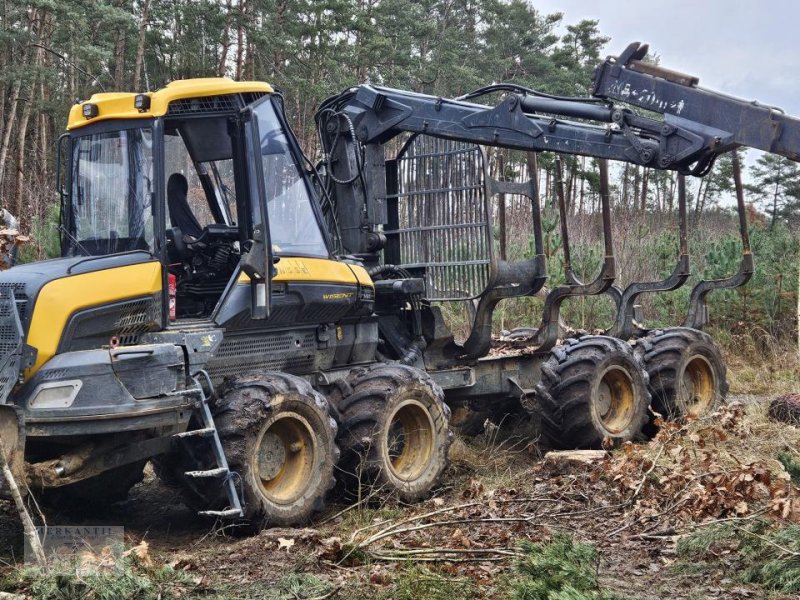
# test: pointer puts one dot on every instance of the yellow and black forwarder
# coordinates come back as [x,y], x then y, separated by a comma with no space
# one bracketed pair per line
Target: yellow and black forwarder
[213,315]
[197,319]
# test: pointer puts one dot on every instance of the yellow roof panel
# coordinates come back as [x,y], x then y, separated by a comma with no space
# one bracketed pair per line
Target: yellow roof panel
[117,105]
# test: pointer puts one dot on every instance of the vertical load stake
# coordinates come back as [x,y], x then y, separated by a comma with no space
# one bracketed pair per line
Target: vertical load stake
[547,335]
[698,309]
[625,327]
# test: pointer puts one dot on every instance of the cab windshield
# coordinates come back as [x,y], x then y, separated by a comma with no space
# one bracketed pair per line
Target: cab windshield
[110,202]
[293,227]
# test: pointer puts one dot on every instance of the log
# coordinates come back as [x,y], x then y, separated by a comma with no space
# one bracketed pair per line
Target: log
[574,458]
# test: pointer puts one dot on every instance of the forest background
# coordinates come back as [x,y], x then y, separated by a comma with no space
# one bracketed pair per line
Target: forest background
[56,52]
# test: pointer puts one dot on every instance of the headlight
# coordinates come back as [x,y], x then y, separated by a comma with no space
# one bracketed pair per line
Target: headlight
[55,394]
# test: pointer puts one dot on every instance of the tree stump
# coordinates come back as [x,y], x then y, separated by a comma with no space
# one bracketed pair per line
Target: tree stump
[786,409]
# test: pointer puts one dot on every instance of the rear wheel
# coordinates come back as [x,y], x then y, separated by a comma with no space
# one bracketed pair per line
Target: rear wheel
[593,390]
[686,370]
[394,430]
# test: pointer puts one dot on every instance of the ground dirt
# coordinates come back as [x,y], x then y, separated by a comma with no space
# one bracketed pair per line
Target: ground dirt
[632,505]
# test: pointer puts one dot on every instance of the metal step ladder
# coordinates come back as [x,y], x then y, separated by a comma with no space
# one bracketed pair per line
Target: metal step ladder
[220,472]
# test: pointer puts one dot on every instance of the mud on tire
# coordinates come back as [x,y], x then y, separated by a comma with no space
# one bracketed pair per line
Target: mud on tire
[280,439]
[593,390]
[687,373]
[394,431]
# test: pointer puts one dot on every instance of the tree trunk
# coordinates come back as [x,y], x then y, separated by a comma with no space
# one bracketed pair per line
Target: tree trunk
[15,96]
[225,40]
[278,57]
[12,115]
[137,68]
[774,207]
[119,53]
[625,183]
[645,182]
[240,39]
[22,130]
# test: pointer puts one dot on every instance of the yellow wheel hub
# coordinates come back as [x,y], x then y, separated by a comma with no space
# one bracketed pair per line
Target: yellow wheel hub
[698,386]
[615,399]
[409,440]
[284,457]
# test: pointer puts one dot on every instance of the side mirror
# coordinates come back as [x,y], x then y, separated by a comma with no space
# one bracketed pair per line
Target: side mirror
[256,263]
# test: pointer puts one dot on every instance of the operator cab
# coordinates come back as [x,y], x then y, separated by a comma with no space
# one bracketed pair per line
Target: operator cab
[229,164]
[202,239]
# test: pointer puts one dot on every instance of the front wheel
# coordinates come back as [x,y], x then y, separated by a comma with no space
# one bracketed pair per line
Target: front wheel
[593,391]
[279,438]
[394,430]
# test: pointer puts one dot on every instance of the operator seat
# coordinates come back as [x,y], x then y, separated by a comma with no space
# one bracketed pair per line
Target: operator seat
[180,213]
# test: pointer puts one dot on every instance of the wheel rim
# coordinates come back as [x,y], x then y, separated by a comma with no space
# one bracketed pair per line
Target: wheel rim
[284,458]
[698,386]
[615,399]
[409,440]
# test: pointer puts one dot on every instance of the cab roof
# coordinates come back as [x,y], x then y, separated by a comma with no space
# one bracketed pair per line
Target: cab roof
[118,105]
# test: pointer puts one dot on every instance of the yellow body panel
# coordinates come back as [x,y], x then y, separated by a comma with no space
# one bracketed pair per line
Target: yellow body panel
[60,298]
[120,105]
[322,270]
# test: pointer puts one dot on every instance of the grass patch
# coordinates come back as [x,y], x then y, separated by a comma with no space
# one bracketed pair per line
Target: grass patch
[422,583]
[298,586]
[769,369]
[128,579]
[561,570]
[762,552]
[791,463]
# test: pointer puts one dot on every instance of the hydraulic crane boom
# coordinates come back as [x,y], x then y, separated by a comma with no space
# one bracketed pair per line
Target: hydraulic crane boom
[687,129]
[525,120]
[731,121]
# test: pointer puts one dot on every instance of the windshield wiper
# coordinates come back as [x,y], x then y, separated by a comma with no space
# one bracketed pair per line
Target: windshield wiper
[74,240]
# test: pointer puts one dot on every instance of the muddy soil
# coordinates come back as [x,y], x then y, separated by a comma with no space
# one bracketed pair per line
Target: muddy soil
[496,493]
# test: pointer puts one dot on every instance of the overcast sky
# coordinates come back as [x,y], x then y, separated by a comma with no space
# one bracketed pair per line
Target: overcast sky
[745,48]
[749,49]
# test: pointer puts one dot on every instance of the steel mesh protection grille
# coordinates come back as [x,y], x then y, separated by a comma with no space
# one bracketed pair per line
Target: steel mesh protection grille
[10,342]
[269,352]
[139,317]
[21,298]
[203,106]
[443,216]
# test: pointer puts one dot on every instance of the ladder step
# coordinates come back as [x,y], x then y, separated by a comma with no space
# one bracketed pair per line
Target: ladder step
[220,472]
[225,514]
[204,432]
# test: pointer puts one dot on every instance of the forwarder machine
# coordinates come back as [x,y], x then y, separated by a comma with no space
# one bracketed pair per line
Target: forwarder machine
[408,190]
[218,313]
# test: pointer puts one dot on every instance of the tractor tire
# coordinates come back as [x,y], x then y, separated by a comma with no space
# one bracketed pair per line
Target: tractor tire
[97,492]
[280,439]
[394,431]
[593,393]
[686,370]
